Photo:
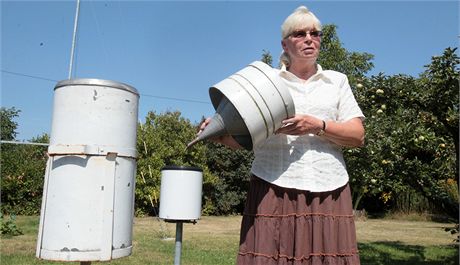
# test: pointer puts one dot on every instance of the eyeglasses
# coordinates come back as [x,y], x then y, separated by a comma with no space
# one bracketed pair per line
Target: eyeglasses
[300,34]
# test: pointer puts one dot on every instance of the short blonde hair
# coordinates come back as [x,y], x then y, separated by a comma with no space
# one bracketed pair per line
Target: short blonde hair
[301,18]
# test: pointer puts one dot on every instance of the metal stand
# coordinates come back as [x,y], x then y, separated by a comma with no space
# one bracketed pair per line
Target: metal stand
[179,226]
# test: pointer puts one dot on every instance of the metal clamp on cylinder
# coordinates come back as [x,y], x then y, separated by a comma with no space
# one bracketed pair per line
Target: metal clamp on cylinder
[69,149]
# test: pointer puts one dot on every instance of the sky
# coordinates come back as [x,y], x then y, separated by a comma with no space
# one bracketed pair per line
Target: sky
[173,51]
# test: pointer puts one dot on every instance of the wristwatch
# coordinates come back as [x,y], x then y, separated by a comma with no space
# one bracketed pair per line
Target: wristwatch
[323,130]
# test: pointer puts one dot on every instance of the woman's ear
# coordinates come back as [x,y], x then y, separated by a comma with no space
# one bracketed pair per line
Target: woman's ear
[283,44]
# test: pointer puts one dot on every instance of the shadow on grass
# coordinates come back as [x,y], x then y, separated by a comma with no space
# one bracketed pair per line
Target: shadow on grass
[396,253]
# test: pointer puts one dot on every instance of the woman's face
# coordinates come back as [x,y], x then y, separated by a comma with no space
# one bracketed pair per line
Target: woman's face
[303,45]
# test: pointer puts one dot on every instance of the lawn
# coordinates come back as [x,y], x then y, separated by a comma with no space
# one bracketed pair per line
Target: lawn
[214,241]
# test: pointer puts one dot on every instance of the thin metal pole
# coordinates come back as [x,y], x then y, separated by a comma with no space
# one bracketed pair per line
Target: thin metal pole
[178,243]
[75,25]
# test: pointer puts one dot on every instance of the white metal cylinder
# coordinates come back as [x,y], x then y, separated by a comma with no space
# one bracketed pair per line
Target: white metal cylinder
[180,193]
[88,196]
[98,114]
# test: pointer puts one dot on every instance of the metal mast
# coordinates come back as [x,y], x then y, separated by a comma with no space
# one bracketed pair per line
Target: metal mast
[75,26]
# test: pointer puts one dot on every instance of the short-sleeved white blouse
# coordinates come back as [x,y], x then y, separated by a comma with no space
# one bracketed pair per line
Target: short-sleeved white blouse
[309,162]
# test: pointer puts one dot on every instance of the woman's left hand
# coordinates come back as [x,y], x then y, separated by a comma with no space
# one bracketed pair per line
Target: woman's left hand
[300,125]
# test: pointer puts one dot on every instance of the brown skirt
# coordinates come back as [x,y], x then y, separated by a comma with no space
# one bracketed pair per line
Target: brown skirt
[294,227]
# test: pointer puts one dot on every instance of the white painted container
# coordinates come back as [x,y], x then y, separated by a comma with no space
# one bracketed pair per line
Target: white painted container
[180,193]
[88,196]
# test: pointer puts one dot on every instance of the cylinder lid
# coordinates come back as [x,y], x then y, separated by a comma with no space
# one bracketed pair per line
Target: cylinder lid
[96,82]
[175,167]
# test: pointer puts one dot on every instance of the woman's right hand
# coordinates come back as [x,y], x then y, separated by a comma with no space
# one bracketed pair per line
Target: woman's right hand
[203,125]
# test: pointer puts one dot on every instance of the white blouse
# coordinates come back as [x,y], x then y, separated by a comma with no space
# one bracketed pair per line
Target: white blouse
[309,162]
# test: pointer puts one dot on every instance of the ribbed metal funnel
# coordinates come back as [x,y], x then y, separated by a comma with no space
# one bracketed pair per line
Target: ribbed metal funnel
[250,105]
[226,121]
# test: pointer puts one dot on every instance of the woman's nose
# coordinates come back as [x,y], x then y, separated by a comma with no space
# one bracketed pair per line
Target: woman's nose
[308,39]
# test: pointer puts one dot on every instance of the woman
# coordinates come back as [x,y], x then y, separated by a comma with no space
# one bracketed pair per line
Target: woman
[299,209]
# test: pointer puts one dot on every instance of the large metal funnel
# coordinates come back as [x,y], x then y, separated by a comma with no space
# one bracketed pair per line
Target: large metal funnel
[250,105]
[226,121]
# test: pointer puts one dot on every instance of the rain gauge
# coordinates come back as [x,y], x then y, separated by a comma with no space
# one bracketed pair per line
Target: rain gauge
[88,195]
[180,199]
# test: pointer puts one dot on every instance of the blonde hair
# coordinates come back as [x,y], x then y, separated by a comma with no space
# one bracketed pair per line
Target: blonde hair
[301,18]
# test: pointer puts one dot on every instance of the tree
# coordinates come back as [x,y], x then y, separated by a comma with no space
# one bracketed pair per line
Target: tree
[438,88]
[372,167]
[435,156]
[23,168]
[8,125]
[411,134]
[232,169]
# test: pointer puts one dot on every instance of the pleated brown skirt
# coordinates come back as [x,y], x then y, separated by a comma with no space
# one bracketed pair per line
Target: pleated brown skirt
[295,227]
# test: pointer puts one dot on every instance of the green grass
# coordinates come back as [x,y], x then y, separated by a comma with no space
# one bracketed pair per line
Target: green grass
[386,253]
[214,241]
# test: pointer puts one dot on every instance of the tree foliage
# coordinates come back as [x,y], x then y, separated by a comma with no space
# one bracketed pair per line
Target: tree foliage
[438,94]
[22,169]
[8,124]
[232,169]
[412,142]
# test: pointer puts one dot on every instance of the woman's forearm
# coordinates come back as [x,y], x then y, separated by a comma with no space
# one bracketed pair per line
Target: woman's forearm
[349,133]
